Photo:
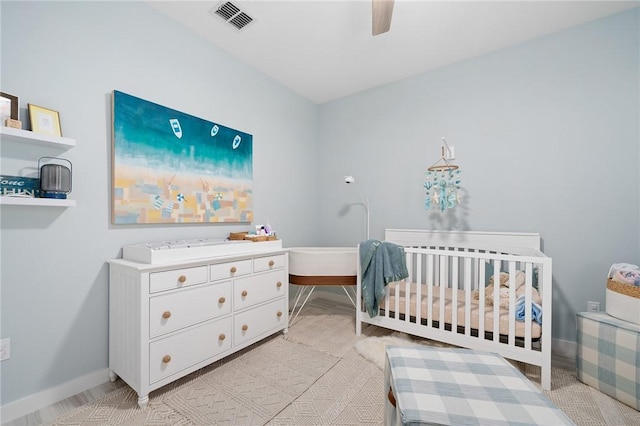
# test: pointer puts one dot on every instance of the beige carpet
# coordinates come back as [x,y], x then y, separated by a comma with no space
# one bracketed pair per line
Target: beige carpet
[249,388]
[313,375]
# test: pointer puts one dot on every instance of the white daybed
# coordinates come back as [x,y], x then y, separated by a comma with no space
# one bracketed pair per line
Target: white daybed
[450,266]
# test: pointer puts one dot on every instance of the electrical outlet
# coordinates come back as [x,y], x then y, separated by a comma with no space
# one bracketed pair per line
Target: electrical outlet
[593,306]
[5,349]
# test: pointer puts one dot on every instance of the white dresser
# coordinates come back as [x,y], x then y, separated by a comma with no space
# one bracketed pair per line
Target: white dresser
[168,320]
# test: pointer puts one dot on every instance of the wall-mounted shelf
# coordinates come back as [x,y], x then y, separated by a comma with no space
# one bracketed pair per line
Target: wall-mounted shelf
[26,136]
[9,134]
[44,202]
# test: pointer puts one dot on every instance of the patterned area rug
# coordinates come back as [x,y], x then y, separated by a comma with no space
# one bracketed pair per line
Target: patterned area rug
[247,389]
[313,375]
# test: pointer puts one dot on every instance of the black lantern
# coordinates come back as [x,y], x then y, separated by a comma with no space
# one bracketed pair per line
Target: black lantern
[55,177]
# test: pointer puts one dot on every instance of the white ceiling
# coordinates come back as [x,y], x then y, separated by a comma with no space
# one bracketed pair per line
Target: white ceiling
[324,50]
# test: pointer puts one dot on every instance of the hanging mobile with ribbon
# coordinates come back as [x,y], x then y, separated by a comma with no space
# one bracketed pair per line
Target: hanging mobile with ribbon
[443,182]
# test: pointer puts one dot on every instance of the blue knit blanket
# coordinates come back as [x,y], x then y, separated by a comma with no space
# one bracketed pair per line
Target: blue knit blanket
[381,263]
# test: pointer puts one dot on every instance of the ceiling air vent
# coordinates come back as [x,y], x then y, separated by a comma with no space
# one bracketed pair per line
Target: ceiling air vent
[232,14]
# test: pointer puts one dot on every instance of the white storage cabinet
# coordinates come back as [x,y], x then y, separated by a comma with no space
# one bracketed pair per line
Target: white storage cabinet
[166,321]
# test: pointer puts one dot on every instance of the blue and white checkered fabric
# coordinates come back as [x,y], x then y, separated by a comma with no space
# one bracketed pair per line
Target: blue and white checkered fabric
[463,387]
[608,356]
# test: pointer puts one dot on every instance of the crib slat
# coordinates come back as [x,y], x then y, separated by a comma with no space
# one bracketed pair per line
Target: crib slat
[481,299]
[387,296]
[406,284]
[418,282]
[407,287]
[443,285]
[430,272]
[512,305]
[467,296]
[545,284]
[396,308]
[454,294]
[496,299]
[527,305]
[407,300]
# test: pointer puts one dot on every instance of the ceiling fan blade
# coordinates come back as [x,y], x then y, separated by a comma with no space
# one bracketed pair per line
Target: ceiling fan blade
[381,15]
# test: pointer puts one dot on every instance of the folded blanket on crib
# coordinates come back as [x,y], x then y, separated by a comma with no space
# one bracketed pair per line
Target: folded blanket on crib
[536,310]
[381,262]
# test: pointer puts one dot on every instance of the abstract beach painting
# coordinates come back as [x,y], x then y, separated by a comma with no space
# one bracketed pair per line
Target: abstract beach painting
[171,167]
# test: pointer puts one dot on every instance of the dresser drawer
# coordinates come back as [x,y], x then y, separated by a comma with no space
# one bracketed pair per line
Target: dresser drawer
[255,322]
[227,270]
[173,354]
[177,278]
[268,262]
[177,310]
[258,288]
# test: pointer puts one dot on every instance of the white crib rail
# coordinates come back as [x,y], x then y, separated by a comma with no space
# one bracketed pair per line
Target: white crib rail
[434,270]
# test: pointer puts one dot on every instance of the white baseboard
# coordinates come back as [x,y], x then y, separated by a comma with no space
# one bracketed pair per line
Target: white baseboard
[564,348]
[29,404]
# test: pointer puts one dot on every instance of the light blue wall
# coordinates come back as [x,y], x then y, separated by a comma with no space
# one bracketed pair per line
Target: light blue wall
[69,56]
[546,135]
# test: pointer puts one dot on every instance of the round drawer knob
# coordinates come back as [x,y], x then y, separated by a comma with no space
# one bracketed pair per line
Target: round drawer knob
[221,300]
[233,269]
[278,284]
[182,278]
[222,337]
[279,314]
[245,327]
[166,314]
[244,293]
[166,359]
[271,263]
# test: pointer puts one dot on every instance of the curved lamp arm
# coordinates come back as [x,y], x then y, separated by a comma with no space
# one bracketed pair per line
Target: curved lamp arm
[351,179]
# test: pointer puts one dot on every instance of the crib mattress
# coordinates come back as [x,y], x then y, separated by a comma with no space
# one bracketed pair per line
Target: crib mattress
[436,305]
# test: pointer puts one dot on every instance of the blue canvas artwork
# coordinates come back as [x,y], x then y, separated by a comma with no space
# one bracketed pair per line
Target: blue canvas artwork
[172,167]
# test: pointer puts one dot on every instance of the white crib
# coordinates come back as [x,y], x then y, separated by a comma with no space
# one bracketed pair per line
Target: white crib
[445,268]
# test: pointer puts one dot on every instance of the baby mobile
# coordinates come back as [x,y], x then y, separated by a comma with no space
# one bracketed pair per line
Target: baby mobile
[443,182]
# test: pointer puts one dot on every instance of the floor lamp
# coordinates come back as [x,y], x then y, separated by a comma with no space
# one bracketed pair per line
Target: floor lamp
[351,179]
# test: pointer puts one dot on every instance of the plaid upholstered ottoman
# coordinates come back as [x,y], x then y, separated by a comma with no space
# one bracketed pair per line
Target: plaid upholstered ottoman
[446,386]
[608,356]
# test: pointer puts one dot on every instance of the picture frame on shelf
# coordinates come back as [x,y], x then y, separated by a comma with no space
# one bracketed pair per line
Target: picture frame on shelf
[44,120]
[8,108]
